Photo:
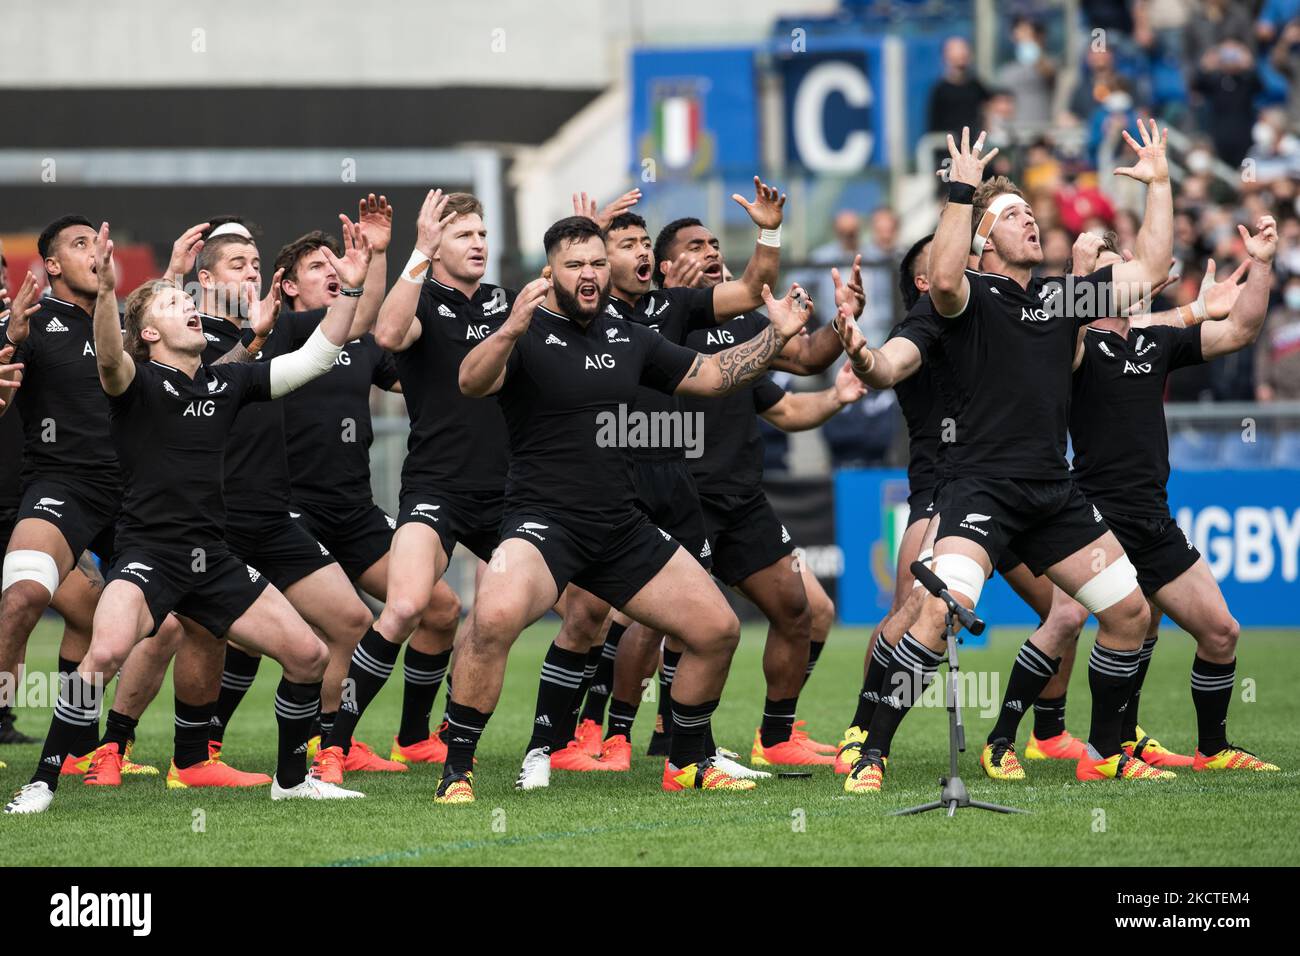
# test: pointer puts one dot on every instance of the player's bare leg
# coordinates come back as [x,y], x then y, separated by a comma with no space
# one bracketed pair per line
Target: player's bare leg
[35,565]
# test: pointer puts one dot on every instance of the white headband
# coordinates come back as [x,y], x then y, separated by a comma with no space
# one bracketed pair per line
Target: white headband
[995,209]
[231,229]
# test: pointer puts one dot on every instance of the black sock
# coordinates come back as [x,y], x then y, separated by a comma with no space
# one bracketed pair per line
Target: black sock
[602,685]
[6,713]
[909,674]
[621,716]
[88,738]
[236,678]
[1212,686]
[778,721]
[372,663]
[76,709]
[1110,679]
[559,681]
[568,727]
[1029,675]
[296,706]
[814,651]
[465,726]
[1128,728]
[119,729]
[882,655]
[324,725]
[1049,717]
[190,738]
[667,671]
[422,674]
[690,731]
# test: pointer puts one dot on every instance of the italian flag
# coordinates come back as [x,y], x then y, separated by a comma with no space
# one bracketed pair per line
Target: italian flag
[677,127]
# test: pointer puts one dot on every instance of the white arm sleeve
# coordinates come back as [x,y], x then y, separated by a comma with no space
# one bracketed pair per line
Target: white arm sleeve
[312,360]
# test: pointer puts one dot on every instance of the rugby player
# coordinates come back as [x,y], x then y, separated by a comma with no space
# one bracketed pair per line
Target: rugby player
[570,514]
[171,556]
[1116,410]
[259,529]
[328,427]
[1009,479]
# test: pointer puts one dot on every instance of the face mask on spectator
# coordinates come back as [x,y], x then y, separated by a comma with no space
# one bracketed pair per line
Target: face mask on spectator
[1292,297]
[1117,102]
[1291,260]
[1198,161]
[1263,134]
[1028,52]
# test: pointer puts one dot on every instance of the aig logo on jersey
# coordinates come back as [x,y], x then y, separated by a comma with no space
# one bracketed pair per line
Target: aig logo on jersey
[603,360]
[1033,315]
[203,409]
[477,332]
[1136,368]
[720,337]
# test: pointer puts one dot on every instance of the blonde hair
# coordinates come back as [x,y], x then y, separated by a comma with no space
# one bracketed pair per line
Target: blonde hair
[136,313]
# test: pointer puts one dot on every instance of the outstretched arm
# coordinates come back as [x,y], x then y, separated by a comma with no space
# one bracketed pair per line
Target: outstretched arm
[1243,323]
[16,328]
[375,217]
[800,411]
[885,367]
[733,369]
[949,289]
[116,370]
[483,370]
[1155,240]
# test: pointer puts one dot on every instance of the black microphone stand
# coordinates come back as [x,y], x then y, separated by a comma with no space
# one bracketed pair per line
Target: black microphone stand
[953,792]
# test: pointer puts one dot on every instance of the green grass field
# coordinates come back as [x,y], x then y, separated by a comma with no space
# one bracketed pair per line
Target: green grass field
[625,819]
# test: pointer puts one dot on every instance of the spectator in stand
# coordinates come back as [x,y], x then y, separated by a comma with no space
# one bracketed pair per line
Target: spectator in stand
[1159,25]
[958,98]
[1277,353]
[1031,76]
[1098,80]
[1056,252]
[1228,84]
[860,436]
[1215,22]
[879,271]
[1285,58]
[1275,154]
[1288,249]
[845,243]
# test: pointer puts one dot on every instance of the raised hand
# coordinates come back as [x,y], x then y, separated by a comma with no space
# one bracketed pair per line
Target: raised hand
[1220,297]
[430,223]
[684,272]
[262,315]
[854,342]
[789,315]
[356,255]
[767,208]
[1263,245]
[24,305]
[185,251]
[584,205]
[966,161]
[375,217]
[104,271]
[851,295]
[1087,249]
[1152,164]
[526,303]
[848,387]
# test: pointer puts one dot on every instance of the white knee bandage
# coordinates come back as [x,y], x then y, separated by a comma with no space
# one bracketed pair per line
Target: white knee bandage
[926,557]
[31,566]
[1109,587]
[961,575]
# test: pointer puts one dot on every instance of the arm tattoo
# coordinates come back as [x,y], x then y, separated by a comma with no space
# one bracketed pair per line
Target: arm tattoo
[237,354]
[696,366]
[745,362]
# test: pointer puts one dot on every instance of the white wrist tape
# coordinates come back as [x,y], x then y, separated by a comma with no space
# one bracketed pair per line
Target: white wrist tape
[770,237]
[416,267]
[312,360]
[1109,587]
[990,218]
[960,575]
[31,566]
[1199,312]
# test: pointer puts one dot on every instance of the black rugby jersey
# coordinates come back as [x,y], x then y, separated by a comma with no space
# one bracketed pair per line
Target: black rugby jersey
[561,399]
[172,433]
[11,441]
[327,421]
[63,406]
[257,470]
[457,443]
[732,459]
[1117,415]
[919,394]
[673,313]
[1007,359]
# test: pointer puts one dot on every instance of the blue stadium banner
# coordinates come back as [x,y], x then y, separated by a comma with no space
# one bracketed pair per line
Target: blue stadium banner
[835,107]
[1246,523]
[694,111]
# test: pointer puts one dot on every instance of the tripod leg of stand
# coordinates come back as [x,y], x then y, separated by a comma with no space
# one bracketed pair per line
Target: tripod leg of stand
[996,808]
[934,805]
